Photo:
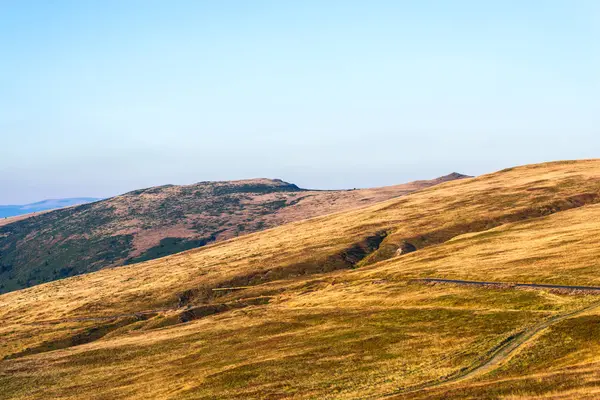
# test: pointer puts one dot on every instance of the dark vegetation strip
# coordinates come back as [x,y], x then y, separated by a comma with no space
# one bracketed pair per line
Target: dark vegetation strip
[348,258]
[118,321]
[140,315]
[82,336]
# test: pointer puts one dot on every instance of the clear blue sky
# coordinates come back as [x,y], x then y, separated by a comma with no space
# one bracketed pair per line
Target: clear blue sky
[101,97]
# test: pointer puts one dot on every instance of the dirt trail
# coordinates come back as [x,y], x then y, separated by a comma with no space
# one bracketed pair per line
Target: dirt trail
[506,349]
[509,284]
[496,356]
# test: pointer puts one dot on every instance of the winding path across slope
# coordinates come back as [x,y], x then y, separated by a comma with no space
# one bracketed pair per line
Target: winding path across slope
[509,346]
[518,285]
[493,359]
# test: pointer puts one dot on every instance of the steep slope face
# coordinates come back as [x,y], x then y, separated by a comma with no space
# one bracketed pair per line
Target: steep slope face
[15,210]
[151,223]
[328,308]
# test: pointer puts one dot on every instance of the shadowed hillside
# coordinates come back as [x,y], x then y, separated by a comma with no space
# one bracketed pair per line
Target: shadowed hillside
[152,223]
[335,307]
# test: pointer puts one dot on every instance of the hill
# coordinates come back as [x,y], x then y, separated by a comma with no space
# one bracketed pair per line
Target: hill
[15,210]
[155,222]
[336,307]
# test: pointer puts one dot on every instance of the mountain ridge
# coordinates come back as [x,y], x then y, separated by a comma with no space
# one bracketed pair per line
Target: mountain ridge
[149,223]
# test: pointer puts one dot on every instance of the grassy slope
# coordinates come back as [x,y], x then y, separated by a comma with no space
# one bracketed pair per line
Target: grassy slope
[152,223]
[341,333]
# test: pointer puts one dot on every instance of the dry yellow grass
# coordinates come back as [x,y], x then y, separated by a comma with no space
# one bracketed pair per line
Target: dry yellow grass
[327,331]
[557,249]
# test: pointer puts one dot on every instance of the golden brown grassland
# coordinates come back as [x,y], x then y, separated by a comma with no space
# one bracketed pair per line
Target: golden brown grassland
[327,309]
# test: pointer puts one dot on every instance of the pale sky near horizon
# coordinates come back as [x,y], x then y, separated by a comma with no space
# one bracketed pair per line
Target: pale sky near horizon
[102,97]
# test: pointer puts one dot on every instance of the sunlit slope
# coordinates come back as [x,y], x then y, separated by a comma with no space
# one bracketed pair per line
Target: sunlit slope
[426,217]
[152,223]
[325,339]
[326,308]
[559,249]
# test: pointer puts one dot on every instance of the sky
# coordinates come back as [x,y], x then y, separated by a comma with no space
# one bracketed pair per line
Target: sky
[101,97]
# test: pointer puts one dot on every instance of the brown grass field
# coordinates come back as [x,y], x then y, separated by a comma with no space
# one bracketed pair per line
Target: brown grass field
[327,308]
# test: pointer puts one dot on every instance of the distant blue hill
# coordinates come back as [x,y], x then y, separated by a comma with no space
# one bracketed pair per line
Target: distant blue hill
[14,210]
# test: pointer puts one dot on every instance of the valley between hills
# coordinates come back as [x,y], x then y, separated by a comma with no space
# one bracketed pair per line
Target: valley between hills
[475,288]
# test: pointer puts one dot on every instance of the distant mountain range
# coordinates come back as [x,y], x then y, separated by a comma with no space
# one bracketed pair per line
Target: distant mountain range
[44,205]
